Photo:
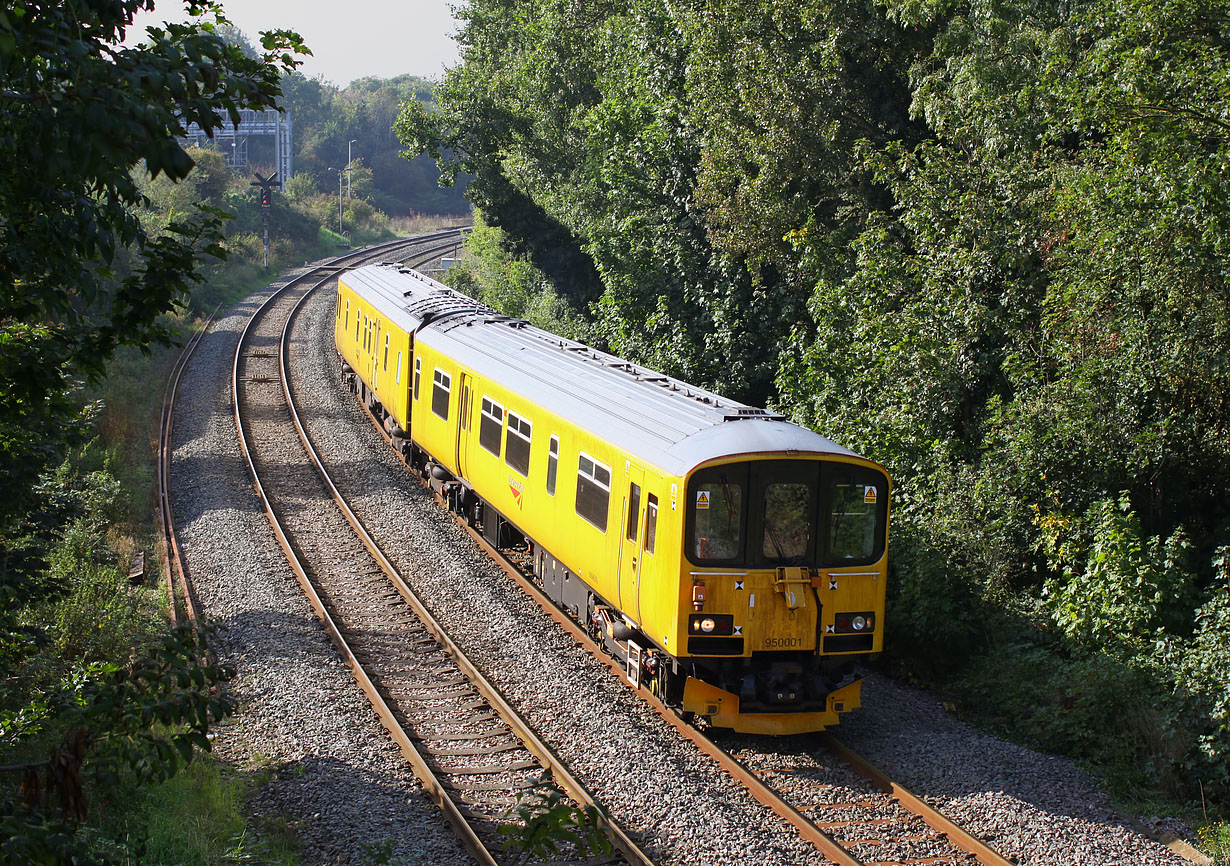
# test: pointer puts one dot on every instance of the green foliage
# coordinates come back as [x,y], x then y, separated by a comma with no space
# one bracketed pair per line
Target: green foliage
[1100,707]
[1215,841]
[1130,591]
[98,243]
[986,244]
[198,818]
[81,275]
[98,617]
[512,286]
[326,120]
[1200,667]
[548,824]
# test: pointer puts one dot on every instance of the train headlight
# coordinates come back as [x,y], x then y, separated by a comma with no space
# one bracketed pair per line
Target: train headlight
[711,624]
[854,623]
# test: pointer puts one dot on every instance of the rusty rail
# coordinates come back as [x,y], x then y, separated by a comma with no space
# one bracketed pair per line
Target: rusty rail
[470,840]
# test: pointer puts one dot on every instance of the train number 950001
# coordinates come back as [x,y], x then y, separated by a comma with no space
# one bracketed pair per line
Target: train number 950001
[782,642]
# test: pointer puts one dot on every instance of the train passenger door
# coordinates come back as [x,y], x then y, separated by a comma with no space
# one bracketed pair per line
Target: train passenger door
[630,542]
[375,355]
[646,568]
[463,422]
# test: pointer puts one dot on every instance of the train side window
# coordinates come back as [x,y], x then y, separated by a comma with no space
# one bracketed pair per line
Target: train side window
[491,425]
[517,444]
[443,383]
[634,510]
[593,490]
[418,372]
[552,464]
[386,353]
[398,380]
[346,321]
[356,328]
[651,523]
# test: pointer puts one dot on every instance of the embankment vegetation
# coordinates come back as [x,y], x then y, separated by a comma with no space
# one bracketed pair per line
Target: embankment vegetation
[984,243]
[115,241]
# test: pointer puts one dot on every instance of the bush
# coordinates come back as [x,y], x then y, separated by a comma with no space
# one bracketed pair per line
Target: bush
[1215,840]
[1204,686]
[1129,592]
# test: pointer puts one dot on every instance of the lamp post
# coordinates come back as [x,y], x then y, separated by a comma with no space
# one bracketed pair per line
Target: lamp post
[349,161]
[339,197]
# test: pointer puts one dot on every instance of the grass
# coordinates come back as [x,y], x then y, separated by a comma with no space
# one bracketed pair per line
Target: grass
[1215,841]
[197,818]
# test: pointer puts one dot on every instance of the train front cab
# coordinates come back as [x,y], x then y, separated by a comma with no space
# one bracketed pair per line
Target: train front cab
[783,585]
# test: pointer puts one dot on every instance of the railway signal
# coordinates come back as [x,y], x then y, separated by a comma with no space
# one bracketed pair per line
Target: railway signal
[266,187]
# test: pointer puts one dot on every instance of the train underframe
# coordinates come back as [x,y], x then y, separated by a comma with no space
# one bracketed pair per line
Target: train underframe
[778,692]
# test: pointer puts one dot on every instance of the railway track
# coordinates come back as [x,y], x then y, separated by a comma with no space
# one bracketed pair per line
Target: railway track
[849,809]
[470,750]
[794,769]
[174,575]
[180,594]
[837,800]
[853,812]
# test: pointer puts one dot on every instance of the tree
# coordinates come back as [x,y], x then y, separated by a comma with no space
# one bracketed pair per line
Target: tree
[79,113]
[80,276]
[326,119]
[985,243]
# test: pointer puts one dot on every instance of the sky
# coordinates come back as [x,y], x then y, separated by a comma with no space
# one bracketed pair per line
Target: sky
[349,40]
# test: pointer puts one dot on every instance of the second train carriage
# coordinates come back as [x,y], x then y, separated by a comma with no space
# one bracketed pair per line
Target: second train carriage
[735,561]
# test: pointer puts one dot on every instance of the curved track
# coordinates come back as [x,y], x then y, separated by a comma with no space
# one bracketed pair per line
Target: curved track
[883,824]
[860,817]
[862,820]
[175,577]
[466,745]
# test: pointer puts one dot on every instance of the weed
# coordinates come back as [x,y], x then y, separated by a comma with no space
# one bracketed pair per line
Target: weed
[1215,841]
[549,823]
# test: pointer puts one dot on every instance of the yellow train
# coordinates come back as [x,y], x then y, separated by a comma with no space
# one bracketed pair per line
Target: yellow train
[735,561]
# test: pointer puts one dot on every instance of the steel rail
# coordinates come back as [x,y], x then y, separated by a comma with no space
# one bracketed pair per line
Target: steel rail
[934,818]
[431,783]
[465,833]
[763,793]
[174,570]
[168,540]
[560,773]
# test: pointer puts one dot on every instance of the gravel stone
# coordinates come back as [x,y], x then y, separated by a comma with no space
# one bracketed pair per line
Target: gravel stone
[334,779]
[342,785]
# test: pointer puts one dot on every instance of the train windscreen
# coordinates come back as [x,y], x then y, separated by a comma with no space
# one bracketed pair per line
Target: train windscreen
[787,512]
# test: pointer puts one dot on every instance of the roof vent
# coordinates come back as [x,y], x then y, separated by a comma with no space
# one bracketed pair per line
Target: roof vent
[741,413]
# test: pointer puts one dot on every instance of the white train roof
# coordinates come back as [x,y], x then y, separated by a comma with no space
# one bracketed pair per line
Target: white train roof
[662,421]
